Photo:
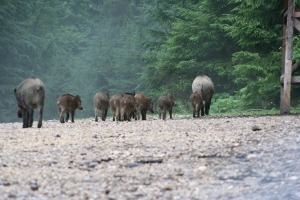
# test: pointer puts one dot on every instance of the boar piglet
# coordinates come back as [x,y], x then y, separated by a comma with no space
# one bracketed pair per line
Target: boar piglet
[68,103]
[144,104]
[30,94]
[101,102]
[196,103]
[114,103]
[127,107]
[165,104]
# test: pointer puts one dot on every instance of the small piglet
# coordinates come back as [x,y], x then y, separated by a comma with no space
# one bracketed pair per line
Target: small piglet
[68,103]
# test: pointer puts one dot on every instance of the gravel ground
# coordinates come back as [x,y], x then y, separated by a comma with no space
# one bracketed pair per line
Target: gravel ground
[184,158]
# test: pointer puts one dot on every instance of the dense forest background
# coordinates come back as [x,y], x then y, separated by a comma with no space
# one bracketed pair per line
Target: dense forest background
[151,46]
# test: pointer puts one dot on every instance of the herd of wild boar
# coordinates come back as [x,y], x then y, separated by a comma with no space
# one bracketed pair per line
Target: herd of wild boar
[30,95]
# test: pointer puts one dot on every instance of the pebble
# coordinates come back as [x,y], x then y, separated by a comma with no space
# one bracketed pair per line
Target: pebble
[256,128]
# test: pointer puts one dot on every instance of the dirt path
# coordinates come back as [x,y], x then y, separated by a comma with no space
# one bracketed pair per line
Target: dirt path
[208,158]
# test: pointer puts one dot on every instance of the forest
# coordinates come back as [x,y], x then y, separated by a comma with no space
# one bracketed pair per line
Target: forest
[155,47]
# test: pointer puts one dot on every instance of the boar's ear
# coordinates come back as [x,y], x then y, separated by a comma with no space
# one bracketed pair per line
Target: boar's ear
[15,90]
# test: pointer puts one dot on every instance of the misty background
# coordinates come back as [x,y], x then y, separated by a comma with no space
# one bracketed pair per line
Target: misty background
[156,47]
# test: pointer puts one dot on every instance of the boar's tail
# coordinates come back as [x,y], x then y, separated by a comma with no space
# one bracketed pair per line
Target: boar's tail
[202,92]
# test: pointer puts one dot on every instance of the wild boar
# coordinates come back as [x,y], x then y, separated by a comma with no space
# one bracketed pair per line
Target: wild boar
[144,104]
[114,104]
[68,103]
[165,104]
[196,103]
[101,102]
[30,94]
[128,107]
[205,86]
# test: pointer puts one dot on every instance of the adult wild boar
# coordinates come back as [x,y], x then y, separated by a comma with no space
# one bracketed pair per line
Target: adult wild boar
[30,94]
[128,107]
[68,103]
[196,103]
[114,104]
[144,104]
[205,86]
[101,102]
[165,104]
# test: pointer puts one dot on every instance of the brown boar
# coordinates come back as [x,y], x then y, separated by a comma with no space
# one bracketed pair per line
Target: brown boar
[165,104]
[68,103]
[101,102]
[144,104]
[114,104]
[30,94]
[127,107]
[196,103]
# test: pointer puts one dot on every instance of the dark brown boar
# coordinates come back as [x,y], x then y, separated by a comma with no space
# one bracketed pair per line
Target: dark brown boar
[30,94]
[144,104]
[101,102]
[68,103]
[165,104]
[128,107]
[196,103]
[114,104]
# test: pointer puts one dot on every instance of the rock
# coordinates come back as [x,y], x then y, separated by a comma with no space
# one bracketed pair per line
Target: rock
[256,128]
[34,185]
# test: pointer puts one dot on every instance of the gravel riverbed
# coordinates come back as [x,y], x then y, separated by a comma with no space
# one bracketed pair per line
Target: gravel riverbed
[184,158]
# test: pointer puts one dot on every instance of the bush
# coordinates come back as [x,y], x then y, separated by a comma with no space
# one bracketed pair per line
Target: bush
[224,103]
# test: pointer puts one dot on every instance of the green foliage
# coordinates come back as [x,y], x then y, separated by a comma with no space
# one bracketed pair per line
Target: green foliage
[296,48]
[157,47]
[193,46]
[258,77]
[225,103]
[77,47]
[254,24]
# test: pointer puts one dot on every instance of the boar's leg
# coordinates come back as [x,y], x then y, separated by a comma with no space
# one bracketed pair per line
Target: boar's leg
[202,109]
[122,115]
[138,114]
[118,114]
[30,117]
[170,113]
[128,116]
[62,117]
[114,116]
[144,114]
[72,116]
[67,116]
[164,114]
[104,114]
[25,118]
[199,108]
[19,113]
[207,106]
[96,116]
[40,116]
